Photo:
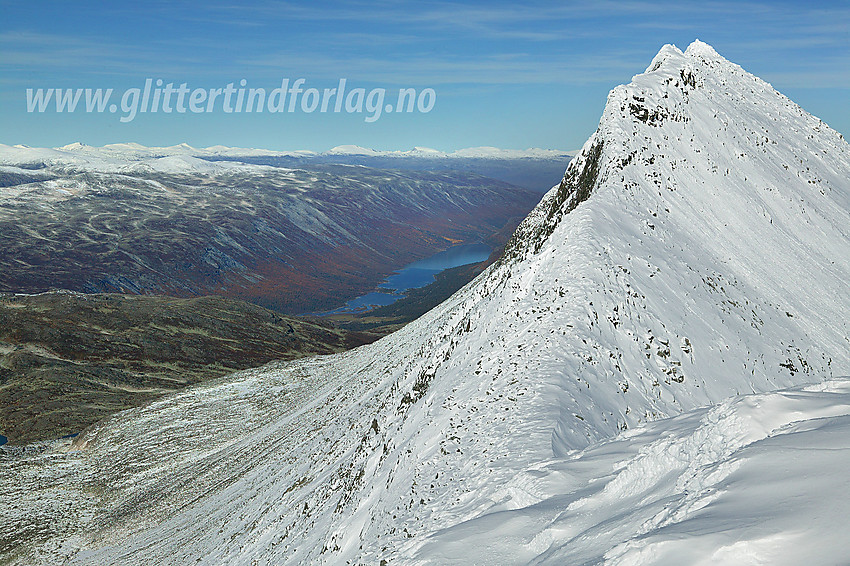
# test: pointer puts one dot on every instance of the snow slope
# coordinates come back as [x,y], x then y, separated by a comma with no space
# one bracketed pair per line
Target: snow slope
[697,249]
[758,479]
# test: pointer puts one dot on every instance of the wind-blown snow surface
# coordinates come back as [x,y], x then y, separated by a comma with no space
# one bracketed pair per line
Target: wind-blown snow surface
[758,479]
[697,249]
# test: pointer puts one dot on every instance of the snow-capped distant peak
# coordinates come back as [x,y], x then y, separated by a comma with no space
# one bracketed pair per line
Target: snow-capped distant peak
[425,151]
[351,150]
[183,148]
[73,146]
[125,146]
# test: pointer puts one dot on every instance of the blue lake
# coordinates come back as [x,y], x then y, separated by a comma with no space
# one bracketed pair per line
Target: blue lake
[414,275]
[3,440]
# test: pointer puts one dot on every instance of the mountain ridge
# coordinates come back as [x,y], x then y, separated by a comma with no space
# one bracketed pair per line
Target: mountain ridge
[533,168]
[128,151]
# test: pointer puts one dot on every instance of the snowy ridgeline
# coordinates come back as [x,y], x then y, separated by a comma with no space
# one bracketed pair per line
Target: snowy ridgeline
[183,158]
[697,250]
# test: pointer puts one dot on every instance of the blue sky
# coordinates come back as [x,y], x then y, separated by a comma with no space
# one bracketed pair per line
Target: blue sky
[505,74]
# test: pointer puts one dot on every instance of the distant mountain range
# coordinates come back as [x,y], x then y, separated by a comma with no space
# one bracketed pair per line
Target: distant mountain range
[130,151]
[533,169]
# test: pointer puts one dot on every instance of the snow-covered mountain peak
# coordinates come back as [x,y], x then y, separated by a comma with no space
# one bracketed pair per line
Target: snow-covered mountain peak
[75,146]
[703,49]
[667,51]
[695,111]
[671,54]
[351,150]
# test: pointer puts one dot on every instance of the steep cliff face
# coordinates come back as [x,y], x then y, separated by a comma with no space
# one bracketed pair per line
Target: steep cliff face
[697,248]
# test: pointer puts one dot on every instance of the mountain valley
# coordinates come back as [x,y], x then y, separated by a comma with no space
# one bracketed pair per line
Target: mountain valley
[655,371]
